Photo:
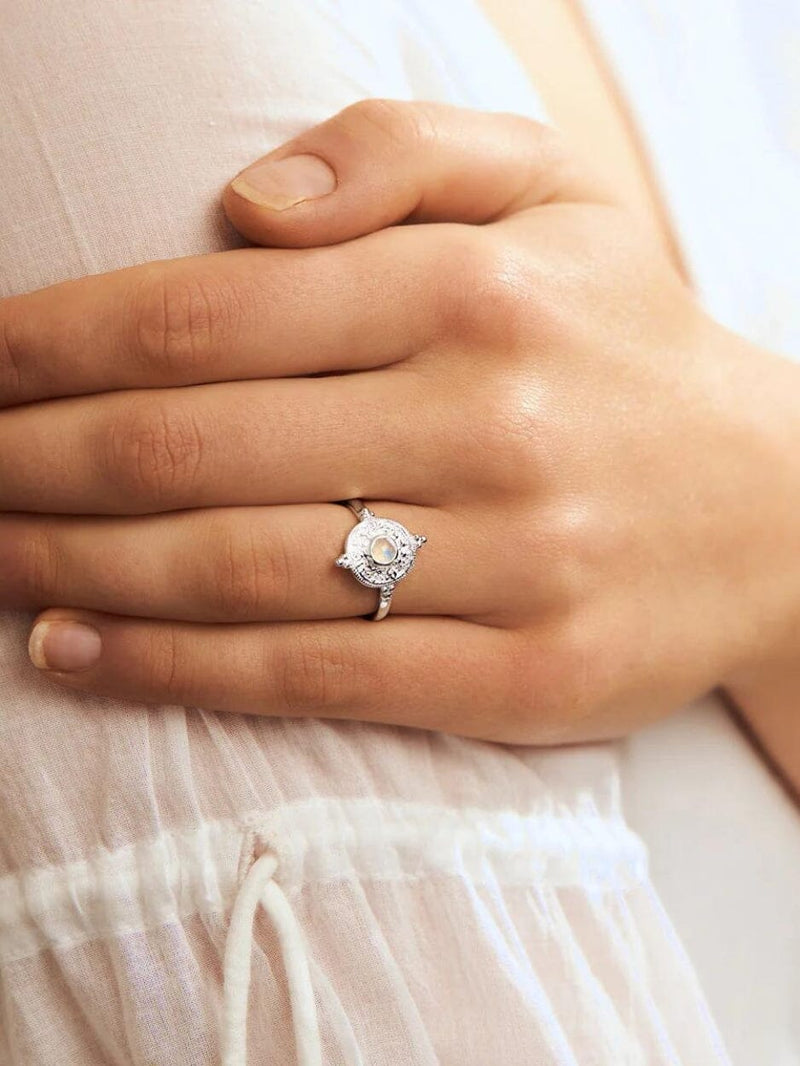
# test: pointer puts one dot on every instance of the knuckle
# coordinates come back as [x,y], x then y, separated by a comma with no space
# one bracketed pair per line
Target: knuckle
[276,565]
[34,564]
[248,576]
[317,674]
[179,318]
[561,537]
[574,691]
[154,452]
[550,149]
[164,668]
[486,285]
[565,683]
[549,161]
[517,717]
[507,442]
[11,355]
[400,125]
[234,587]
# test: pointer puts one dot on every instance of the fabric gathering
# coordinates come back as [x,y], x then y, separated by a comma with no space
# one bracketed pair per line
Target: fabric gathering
[182,887]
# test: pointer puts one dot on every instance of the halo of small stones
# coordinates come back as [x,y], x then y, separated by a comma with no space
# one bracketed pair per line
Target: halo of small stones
[363,566]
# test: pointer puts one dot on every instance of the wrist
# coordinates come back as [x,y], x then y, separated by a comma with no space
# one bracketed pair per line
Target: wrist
[764,682]
[770,572]
[769,702]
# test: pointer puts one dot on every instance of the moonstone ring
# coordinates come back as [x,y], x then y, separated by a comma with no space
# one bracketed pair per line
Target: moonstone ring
[379,552]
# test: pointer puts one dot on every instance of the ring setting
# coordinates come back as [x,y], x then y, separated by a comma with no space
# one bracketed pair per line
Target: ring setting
[379,553]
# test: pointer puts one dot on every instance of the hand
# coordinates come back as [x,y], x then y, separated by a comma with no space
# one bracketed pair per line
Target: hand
[602,472]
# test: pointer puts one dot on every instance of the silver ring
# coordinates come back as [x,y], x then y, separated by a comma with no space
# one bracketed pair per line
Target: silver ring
[379,552]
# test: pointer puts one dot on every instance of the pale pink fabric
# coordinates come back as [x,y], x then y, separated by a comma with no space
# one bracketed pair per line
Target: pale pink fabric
[461,902]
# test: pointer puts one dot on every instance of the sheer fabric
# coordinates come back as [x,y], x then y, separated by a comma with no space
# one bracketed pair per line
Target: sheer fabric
[456,901]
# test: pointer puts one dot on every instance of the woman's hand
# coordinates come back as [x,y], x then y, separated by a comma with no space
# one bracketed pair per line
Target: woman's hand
[605,476]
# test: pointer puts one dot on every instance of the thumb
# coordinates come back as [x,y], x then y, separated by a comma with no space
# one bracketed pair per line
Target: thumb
[380,162]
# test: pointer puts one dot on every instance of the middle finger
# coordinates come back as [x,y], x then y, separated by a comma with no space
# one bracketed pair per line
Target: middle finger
[297,440]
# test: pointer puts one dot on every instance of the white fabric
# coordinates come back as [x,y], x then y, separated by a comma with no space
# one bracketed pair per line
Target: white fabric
[458,901]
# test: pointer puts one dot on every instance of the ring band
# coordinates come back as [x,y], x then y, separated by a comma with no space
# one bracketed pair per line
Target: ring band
[379,552]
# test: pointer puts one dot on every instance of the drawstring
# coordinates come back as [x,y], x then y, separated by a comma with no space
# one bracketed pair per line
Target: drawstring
[259,886]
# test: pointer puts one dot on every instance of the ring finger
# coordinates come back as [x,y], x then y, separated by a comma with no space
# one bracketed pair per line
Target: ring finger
[244,564]
[232,444]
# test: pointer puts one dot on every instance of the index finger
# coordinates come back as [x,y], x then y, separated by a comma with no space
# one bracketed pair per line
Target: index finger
[248,313]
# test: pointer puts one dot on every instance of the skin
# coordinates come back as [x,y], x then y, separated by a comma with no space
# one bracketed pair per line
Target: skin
[555,43]
[604,474]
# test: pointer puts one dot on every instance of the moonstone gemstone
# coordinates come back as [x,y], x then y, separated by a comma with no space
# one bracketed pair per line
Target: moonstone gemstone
[383,550]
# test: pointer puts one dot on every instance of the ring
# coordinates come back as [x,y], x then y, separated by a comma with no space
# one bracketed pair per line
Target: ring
[379,552]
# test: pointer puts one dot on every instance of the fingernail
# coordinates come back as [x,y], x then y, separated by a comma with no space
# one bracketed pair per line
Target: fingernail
[65,646]
[284,183]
